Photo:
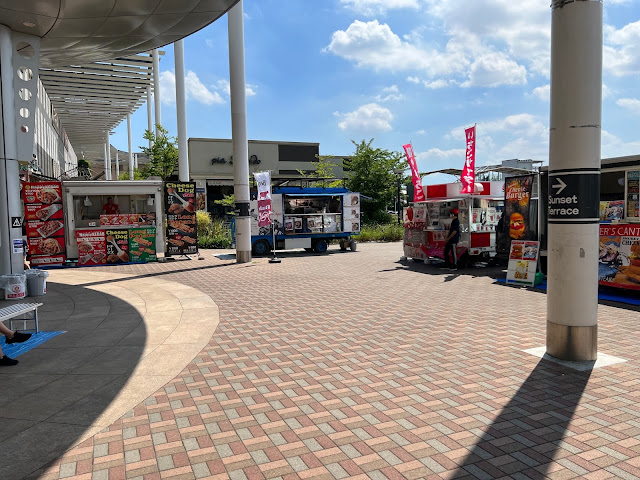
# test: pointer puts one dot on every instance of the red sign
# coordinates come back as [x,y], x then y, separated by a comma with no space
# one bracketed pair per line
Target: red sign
[44,222]
[264,212]
[418,192]
[42,212]
[45,246]
[42,192]
[92,249]
[468,172]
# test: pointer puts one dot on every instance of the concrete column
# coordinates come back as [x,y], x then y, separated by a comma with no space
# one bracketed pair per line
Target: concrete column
[10,263]
[117,164]
[129,144]
[156,88]
[109,156]
[135,160]
[149,113]
[181,111]
[574,179]
[239,133]
[106,163]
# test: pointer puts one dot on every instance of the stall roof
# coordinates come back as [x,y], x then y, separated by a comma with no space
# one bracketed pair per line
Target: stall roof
[486,169]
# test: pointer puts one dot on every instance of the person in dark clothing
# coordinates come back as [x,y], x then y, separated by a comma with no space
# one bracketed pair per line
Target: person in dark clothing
[452,240]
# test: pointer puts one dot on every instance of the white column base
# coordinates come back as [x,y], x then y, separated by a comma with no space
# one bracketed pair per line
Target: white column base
[576,344]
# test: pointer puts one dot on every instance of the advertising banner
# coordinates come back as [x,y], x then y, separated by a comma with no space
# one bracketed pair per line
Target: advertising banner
[263,180]
[182,235]
[523,262]
[44,223]
[418,192]
[117,240]
[517,206]
[351,212]
[142,245]
[92,247]
[619,256]
[468,177]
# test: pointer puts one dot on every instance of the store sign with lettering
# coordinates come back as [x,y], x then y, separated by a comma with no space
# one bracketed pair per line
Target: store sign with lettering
[574,196]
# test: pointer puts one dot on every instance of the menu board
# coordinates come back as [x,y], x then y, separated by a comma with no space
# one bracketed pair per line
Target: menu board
[351,212]
[117,241]
[523,262]
[44,222]
[619,256]
[182,235]
[633,194]
[142,245]
[92,248]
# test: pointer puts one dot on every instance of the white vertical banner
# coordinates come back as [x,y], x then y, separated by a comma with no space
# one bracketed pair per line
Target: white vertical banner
[263,180]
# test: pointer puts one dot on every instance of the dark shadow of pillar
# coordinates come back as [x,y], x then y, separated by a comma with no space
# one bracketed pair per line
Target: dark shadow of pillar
[526,434]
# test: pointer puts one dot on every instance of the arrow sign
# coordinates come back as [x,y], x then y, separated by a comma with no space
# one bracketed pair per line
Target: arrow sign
[560,186]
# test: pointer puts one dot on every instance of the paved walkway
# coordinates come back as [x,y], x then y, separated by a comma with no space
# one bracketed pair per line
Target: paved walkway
[353,364]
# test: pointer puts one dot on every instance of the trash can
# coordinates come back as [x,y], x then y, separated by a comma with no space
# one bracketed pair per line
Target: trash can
[13,287]
[36,282]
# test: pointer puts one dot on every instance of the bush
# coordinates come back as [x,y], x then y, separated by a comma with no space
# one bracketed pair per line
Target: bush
[212,233]
[390,232]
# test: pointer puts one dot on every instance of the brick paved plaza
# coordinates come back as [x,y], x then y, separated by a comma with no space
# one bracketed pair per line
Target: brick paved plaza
[357,365]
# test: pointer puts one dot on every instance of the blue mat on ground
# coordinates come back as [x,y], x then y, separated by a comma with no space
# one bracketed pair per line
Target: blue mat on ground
[16,349]
[611,295]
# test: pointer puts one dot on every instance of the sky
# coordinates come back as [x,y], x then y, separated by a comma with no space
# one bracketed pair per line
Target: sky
[399,71]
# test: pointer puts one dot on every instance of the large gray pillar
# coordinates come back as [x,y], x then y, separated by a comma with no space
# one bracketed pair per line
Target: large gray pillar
[181,112]
[156,88]
[574,179]
[239,134]
[131,174]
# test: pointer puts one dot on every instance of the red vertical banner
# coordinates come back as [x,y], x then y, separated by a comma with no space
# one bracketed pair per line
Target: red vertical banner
[418,195]
[263,179]
[469,171]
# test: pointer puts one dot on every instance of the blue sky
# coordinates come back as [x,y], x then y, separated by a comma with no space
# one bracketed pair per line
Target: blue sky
[397,71]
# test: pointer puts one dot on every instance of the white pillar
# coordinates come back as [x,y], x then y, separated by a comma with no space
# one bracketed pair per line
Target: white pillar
[10,263]
[135,160]
[109,156]
[106,162]
[239,133]
[574,179]
[149,113]
[181,111]
[117,164]
[156,88]
[130,149]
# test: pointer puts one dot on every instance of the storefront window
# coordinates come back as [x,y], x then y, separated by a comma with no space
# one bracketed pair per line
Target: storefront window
[312,214]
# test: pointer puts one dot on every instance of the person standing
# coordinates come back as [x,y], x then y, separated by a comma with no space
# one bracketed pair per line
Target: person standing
[110,208]
[452,240]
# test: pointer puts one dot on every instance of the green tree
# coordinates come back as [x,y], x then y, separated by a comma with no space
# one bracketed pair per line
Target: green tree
[163,154]
[323,168]
[370,172]
[137,174]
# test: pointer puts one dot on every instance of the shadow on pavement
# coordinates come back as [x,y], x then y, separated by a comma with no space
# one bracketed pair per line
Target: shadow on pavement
[62,387]
[530,428]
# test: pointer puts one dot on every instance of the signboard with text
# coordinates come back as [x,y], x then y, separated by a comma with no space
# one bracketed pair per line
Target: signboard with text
[574,197]
[182,235]
[45,223]
[523,262]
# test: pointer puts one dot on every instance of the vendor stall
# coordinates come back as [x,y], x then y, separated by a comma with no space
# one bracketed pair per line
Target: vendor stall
[427,223]
[113,222]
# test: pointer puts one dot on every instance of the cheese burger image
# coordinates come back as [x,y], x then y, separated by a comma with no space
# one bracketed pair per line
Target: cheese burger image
[516,225]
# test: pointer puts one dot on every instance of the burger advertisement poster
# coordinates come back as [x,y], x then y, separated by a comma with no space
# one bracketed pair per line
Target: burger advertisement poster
[523,262]
[517,201]
[44,222]
[619,256]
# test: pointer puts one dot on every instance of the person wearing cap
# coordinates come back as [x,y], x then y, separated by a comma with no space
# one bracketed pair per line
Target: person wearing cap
[452,240]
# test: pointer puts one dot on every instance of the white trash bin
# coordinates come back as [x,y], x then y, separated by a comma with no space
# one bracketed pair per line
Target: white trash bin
[13,287]
[36,282]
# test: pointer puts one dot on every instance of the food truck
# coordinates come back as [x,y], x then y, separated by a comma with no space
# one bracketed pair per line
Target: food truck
[427,223]
[619,255]
[307,218]
[110,222]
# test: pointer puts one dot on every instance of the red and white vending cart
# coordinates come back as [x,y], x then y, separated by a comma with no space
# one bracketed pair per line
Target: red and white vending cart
[427,223]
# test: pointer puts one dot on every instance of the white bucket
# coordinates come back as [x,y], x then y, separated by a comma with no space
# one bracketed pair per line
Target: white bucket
[36,282]
[13,287]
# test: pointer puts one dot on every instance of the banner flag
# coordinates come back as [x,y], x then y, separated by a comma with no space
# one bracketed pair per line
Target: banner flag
[418,193]
[517,207]
[263,179]
[468,178]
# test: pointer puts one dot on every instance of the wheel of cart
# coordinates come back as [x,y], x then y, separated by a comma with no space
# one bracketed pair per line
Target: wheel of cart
[261,247]
[320,245]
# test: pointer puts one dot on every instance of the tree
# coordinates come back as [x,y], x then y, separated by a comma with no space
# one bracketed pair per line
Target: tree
[137,174]
[370,172]
[323,168]
[163,154]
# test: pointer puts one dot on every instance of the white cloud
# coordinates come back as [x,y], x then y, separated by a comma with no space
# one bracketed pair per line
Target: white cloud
[622,55]
[415,80]
[494,69]
[543,93]
[373,7]
[631,104]
[194,89]
[421,132]
[225,87]
[368,118]
[389,94]
[613,146]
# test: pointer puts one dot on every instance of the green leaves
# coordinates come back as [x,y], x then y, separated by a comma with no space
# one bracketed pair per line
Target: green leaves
[163,154]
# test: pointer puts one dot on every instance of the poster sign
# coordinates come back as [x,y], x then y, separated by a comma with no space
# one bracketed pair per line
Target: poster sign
[612,211]
[351,212]
[92,248]
[117,241]
[523,262]
[418,192]
[619,256]
[468,178]
[142,245]
[182,235]
[517,205]
[263,180]
[45,223]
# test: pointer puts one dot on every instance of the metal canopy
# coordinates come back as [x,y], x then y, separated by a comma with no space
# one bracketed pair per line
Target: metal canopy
[486,169]
[85,31]
[93,99]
